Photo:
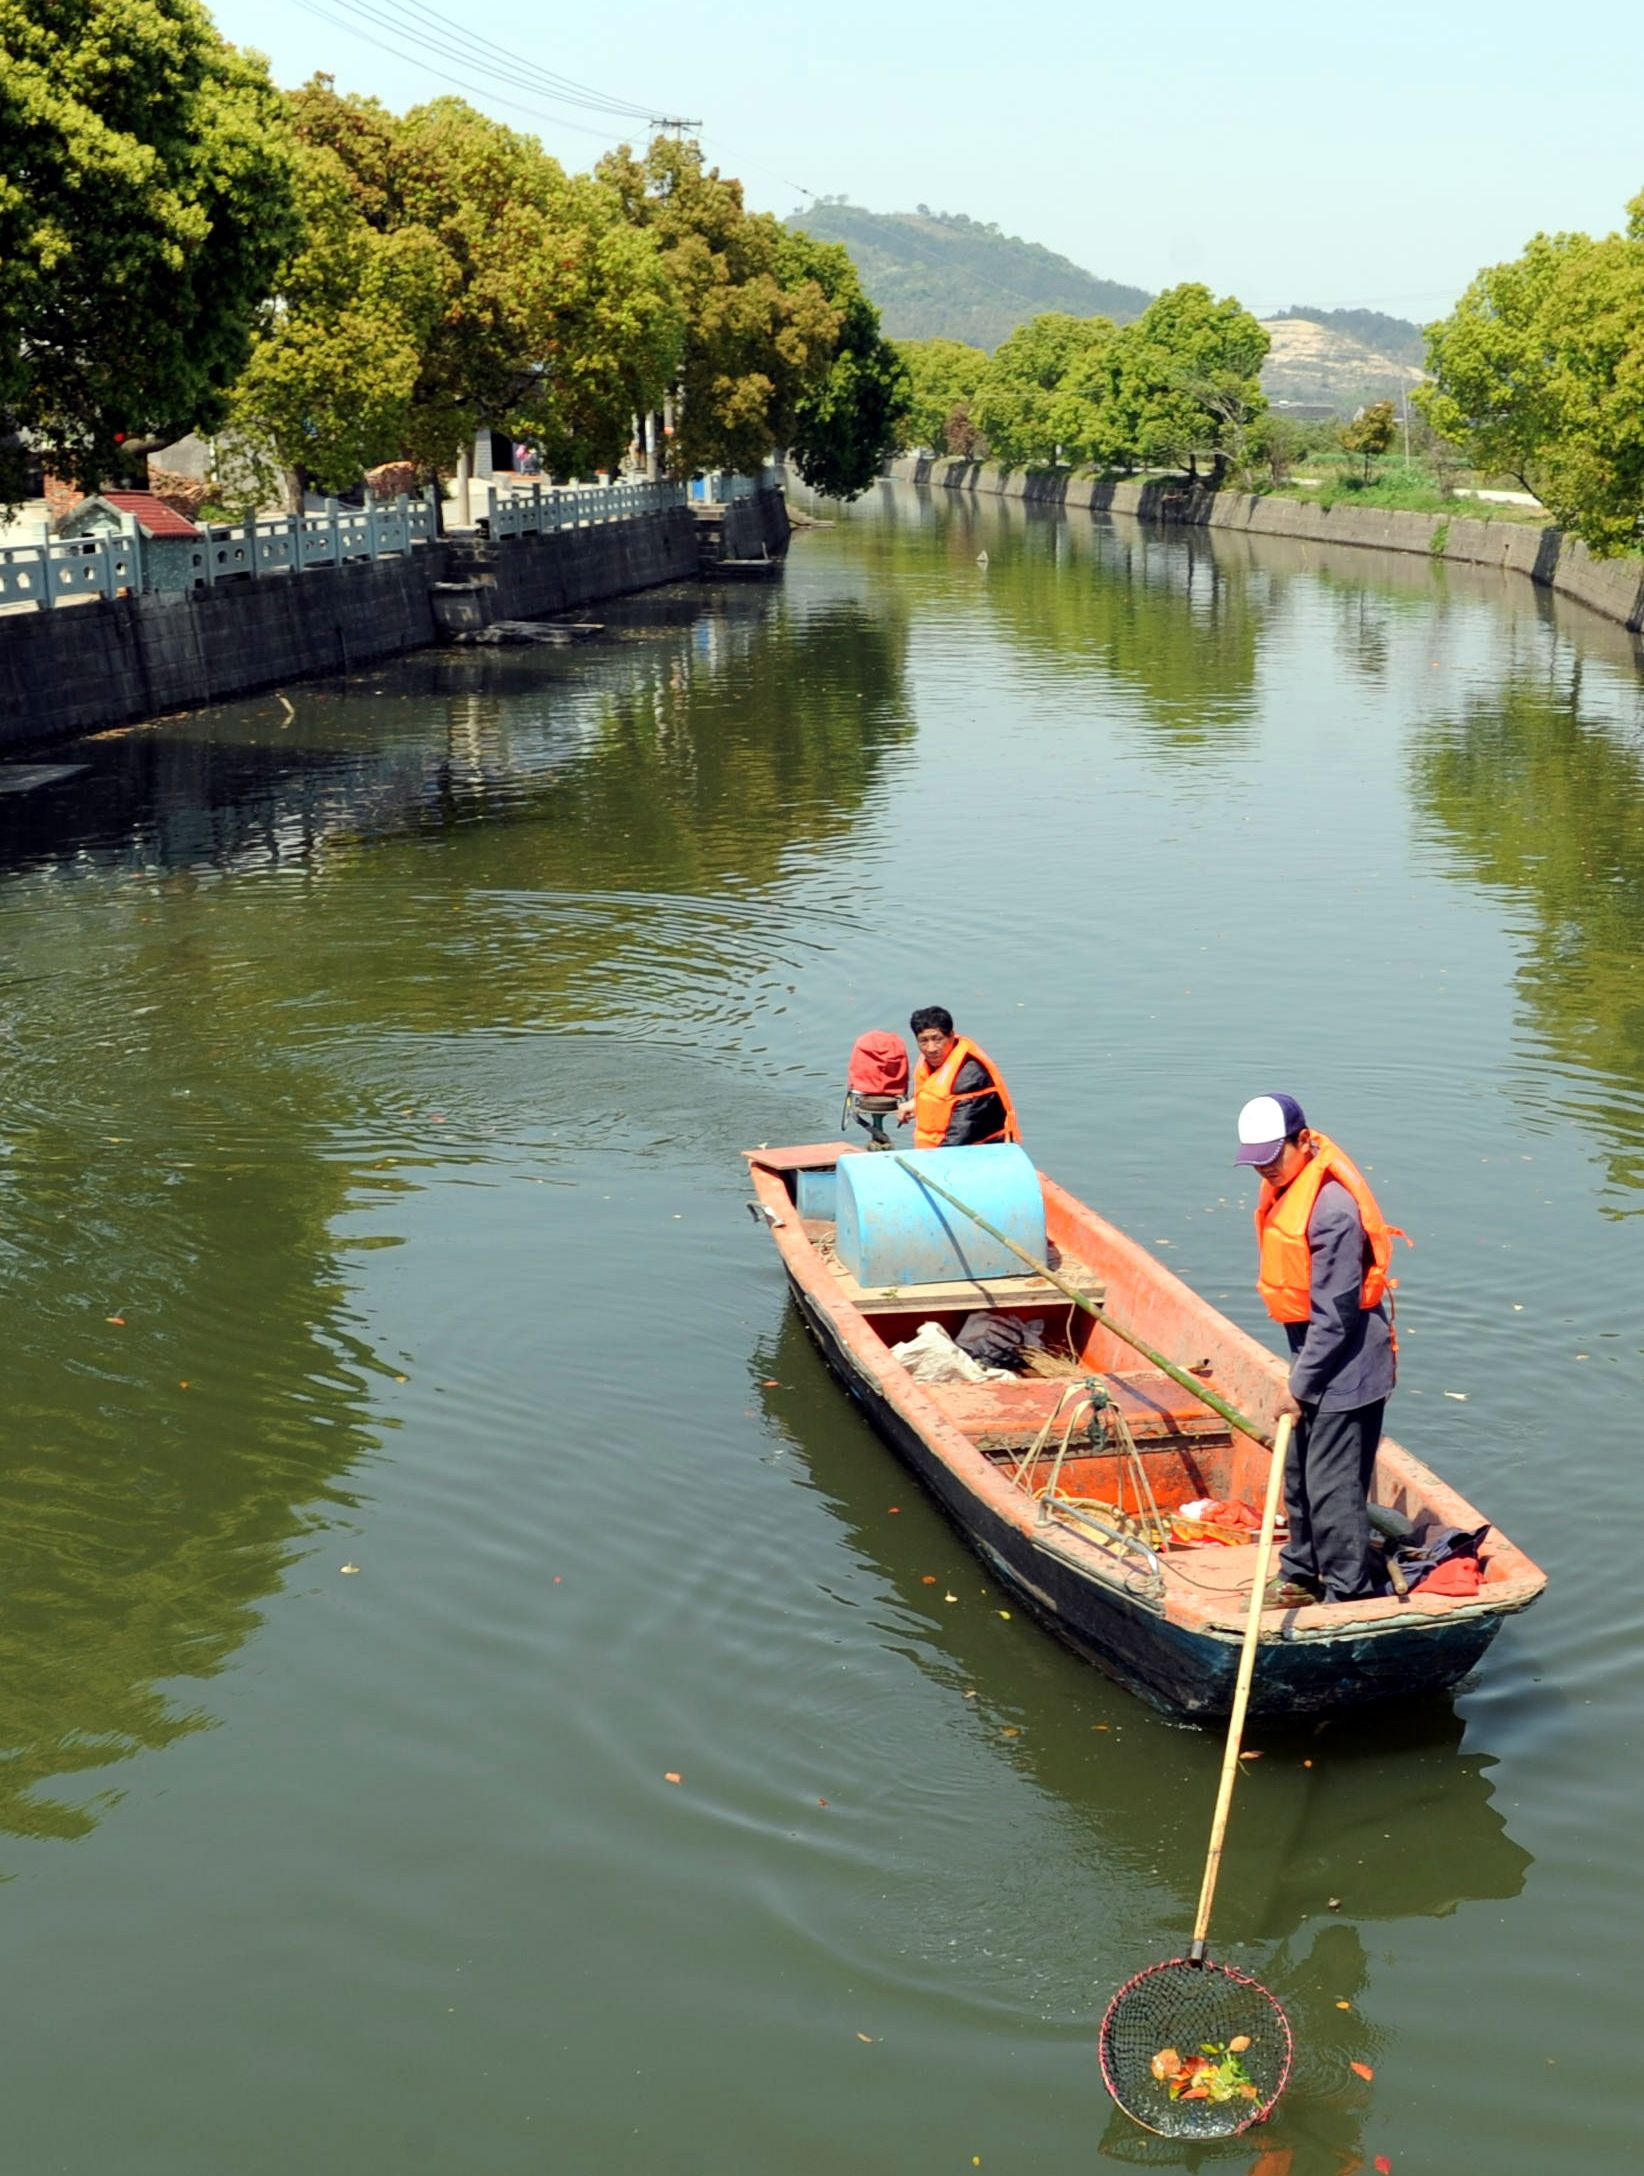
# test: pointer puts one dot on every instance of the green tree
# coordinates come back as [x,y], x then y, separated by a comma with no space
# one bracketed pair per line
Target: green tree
[1369,433]
[1033,400]
[529,301]
[146,200]
[1186,381]
[1490,389]
[754,345]
[1539,371]
[847,423]
[943,376]
[329,387]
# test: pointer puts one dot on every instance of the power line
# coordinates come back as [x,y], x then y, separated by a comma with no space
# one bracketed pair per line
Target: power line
[461,83]
[476,56]
[485,57]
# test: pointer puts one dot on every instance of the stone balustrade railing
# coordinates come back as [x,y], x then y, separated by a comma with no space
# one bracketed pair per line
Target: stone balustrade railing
[537,509]
[63,570]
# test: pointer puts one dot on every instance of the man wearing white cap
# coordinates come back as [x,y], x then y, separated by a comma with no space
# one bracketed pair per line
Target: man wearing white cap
[1325,1254]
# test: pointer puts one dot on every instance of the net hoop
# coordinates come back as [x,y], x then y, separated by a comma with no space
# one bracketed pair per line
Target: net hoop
[1200,2119]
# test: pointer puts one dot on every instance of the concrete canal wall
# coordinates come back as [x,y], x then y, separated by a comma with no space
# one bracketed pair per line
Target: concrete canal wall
[1613,587]
[109,661]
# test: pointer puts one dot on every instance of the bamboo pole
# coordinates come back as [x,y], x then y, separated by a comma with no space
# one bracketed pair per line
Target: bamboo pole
[1217,1404]
[1241,1694]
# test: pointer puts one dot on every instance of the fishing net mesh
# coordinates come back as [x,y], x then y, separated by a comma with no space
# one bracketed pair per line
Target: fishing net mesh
[1191,2009]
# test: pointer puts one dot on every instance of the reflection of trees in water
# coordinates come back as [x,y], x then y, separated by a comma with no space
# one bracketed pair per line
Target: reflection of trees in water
[1157,613]
[145,1521]
[1534,795]
[197,1068]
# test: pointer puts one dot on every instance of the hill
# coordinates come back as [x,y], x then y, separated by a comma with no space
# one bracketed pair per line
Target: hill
[1315,363]
[1397,337]
[939,275]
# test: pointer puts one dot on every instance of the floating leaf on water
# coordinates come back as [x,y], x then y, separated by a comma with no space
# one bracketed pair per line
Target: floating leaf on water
[1362,2070]
[1011,1731]
[821,1801]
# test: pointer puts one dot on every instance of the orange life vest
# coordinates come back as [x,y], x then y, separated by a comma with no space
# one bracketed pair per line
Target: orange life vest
[1284,1275]
[934,1100]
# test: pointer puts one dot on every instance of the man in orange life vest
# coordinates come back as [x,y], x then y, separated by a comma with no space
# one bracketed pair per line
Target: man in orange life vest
[1325,1250]
[959,1098]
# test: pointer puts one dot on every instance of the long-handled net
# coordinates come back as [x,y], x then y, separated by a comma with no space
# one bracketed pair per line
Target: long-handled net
[1194,2050]
[1189,2048]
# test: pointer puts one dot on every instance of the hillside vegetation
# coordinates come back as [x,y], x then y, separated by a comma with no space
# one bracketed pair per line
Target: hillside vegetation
[1321,364]
[941,276]
[1398,338]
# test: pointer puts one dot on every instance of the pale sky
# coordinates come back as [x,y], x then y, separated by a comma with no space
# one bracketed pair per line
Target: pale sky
[1374,156]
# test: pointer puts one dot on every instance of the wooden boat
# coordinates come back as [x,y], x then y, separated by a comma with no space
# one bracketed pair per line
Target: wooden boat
[1068,1525]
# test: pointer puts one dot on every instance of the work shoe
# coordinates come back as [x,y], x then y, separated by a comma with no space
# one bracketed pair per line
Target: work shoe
[1288,1594]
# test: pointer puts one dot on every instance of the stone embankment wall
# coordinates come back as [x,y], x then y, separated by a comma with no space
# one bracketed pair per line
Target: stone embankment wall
[108,662]
[1613,587]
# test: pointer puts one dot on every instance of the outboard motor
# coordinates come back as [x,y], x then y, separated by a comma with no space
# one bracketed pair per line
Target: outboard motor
[876,1082]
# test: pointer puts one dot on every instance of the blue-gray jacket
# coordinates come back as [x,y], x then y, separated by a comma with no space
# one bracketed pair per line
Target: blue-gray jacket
[1342,1355]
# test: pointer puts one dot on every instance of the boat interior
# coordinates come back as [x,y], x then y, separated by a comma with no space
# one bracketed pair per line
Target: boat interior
[1150,1449]
[1108,1446]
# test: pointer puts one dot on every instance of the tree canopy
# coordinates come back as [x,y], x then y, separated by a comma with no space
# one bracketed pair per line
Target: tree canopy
[1183,383]
[943,376]
[450,274]
[146,199]
[1539,372]
[852,416]
[753,344]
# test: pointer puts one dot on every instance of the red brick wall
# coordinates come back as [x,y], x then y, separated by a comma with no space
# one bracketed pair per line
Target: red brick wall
[60,498]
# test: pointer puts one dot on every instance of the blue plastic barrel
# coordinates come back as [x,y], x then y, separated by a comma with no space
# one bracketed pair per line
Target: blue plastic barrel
[892,1230]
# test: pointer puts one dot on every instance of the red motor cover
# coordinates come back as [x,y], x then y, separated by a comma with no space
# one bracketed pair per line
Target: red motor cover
[879,1065]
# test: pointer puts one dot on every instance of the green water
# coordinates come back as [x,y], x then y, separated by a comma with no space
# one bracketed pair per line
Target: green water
[385,1073]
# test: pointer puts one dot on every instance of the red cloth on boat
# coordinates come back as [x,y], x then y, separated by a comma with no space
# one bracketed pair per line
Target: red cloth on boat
[1456,1575]
[1228,1513]
[879,1064]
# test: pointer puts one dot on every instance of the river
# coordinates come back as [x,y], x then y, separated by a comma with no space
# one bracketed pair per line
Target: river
[475,1698]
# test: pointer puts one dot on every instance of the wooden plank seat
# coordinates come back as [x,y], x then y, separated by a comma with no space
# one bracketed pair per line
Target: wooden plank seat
[965,1293]
[1007,1416]
[954,1294]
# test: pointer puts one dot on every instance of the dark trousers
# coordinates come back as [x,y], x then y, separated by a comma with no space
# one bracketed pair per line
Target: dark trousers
[1326,1488]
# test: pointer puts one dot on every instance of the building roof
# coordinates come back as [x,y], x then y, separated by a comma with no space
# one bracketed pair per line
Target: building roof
[154,517]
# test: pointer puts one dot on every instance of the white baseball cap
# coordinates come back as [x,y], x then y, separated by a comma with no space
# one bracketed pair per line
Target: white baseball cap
[1265,1124]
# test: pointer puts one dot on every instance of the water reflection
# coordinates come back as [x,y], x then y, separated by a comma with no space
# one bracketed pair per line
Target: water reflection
[162,1469]
[1158,613]
[220,936]
[1535,789]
